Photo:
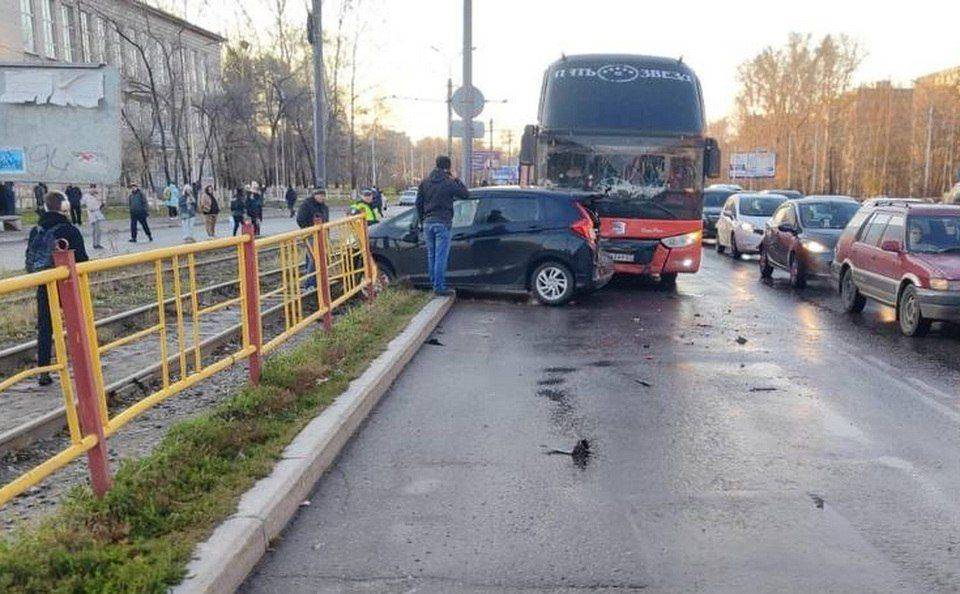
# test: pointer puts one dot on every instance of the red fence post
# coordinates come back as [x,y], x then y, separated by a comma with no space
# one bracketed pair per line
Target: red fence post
[323,275]
[252,313]
[84,376]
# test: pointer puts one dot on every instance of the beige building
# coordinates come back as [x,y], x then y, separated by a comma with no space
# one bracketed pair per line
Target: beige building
[169,67]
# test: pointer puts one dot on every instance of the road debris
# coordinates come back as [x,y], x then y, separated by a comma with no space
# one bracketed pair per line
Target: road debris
[817,500]
[741,340]
[580,452]
[434,342]
[643,383]
[763,389]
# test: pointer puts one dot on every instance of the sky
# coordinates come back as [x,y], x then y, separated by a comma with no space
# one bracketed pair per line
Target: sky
[515,40]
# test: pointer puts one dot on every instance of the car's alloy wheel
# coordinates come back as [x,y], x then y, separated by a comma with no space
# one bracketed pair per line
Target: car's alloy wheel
[766,270]
[552,283]
[853,301]
[912,322]
[798,277]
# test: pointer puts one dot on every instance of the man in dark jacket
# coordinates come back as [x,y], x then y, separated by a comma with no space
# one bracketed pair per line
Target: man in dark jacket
[53,219]
[39,192]
[75,197]
[291,198]
[139,211]
[435,198]
[312,209]
[255,207]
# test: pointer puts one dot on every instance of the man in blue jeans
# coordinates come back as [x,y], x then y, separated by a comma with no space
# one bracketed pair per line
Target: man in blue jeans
[435,198]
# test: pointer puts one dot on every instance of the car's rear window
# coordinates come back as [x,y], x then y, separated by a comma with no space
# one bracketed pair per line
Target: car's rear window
[759,207]
[715,198]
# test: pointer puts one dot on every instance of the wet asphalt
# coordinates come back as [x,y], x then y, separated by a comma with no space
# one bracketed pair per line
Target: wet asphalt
[743,437]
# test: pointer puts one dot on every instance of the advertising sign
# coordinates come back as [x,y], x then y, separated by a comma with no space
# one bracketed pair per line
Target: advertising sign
[753,165]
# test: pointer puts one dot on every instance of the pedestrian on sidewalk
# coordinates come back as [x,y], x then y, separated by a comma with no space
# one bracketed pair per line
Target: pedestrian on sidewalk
[311,210]
[435,197]
[39,193]
[255,207]
[92,201]
[238,207]
[139,212]
[171,198]
[188,212]
[291,198]
[377,200]
[210,209]
[365,207]
[52,226]
[75,197]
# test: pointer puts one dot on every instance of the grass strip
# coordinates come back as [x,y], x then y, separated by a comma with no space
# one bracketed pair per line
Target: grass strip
[140,536]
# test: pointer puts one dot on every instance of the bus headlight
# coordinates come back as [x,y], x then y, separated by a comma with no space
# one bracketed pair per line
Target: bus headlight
[679,241]
[815,247]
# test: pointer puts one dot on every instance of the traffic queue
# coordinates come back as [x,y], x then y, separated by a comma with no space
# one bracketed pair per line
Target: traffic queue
[902,253]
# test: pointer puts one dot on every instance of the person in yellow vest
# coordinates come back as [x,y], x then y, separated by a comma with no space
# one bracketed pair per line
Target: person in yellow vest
[364,206]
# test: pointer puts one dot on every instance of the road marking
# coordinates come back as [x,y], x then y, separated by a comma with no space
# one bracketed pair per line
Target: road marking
[910,386]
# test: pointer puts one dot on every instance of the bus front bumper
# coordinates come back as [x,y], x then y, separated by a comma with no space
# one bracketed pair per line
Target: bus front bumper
[649,256]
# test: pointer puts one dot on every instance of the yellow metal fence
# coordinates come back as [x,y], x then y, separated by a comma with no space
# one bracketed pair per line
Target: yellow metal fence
[182,304]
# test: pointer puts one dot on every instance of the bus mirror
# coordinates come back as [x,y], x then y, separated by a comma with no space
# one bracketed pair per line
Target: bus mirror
[528,145]
[711,158]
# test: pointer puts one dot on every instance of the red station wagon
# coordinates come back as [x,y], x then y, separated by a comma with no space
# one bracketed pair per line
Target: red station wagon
[904,255]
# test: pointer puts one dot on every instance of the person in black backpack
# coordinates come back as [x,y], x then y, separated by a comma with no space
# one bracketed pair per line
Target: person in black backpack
[52,225]
[75,196]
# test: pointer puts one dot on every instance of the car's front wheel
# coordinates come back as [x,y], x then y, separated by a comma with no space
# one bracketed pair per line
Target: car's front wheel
[853,301]
[798,276]
[912,322]
[552,283]
[766,269]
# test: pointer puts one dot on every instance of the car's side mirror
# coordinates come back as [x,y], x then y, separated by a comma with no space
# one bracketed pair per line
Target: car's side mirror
[786,228]
[891,245]
[711,158]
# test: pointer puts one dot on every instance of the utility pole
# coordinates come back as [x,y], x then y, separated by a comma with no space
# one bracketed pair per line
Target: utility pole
[929,153]
[319,139]
[491,134]
[466,168]
[450,116]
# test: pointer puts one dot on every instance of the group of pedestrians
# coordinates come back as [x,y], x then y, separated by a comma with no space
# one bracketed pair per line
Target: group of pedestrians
[247,204]
[75,201]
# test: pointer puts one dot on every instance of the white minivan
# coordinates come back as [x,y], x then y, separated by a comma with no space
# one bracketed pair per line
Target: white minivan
[742,221]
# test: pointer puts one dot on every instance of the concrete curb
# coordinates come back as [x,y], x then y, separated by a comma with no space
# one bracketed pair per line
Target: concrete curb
[222,562]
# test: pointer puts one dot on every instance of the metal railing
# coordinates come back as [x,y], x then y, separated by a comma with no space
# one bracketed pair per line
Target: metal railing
[306,296]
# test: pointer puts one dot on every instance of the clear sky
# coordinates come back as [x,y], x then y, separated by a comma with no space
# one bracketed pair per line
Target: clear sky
[516,39]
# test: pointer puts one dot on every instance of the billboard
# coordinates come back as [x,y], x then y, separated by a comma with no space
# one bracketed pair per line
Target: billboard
[59,123]
[753,165]
[483,160]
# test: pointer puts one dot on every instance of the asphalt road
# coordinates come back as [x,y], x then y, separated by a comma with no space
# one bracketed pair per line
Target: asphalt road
[818,455]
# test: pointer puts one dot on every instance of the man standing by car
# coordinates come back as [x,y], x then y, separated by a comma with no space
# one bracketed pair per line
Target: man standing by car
[435,198]
[310,210]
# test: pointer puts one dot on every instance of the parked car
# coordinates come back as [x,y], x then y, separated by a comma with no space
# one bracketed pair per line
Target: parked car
[740,226]
[792,194]
[505,240]
[904,255]
[407,198]
[714,198]
[802,234]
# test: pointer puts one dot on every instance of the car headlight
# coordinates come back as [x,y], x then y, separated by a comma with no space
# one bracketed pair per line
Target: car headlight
[815,247]
[942,284]
[679,241]
[747,227]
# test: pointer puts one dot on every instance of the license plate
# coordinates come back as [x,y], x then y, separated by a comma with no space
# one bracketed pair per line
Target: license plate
[620,257]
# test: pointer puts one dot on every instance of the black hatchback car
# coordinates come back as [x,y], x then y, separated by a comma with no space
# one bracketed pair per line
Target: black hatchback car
[504,240]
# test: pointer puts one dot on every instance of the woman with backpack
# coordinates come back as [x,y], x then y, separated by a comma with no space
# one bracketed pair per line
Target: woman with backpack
[188,212]
[210,208]
[52,226]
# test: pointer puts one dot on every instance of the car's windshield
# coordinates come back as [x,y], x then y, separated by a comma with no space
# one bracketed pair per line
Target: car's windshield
[933,234]
[715,198]
[826,215]
[662,183]
[759,206]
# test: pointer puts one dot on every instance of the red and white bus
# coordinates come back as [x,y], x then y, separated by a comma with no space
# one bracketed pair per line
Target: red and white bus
[630,129]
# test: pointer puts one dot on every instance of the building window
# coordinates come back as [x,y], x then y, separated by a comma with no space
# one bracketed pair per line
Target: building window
[202,72]
[68,33]
[132,61]
[84,37]
[191,60]
[159,63]
[26,26]
[99,41]
[116,47]
[46,27]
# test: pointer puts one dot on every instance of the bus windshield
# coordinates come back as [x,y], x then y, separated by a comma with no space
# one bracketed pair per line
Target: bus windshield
[637,182]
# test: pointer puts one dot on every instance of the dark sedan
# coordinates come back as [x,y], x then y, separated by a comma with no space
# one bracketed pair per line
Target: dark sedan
[714,198]
[504,240]
[801,236]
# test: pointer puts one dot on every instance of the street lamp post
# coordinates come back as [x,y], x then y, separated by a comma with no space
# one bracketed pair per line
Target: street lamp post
[466,169]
